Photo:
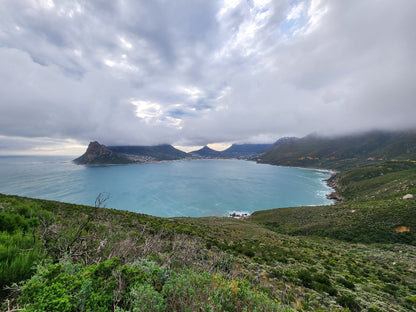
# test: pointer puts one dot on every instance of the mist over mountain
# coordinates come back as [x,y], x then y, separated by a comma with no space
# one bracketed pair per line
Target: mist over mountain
[336,152]
[244,150]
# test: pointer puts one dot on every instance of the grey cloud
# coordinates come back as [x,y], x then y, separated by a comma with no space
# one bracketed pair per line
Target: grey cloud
[209,74]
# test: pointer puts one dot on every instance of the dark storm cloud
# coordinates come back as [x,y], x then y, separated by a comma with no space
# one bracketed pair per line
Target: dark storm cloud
[197,72]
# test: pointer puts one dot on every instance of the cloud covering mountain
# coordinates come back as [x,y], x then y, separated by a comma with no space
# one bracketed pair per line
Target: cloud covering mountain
[198,72]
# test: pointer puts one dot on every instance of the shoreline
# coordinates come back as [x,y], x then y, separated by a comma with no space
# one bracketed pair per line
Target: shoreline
[332,182]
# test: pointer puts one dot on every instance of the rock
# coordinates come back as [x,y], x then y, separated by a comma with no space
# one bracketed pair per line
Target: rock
[98,154]
[408,196]
[336,197]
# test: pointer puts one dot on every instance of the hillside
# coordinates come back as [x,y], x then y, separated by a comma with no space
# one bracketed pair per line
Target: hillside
[243,150]
[373,209]
[98,154]
[358,255]
[344,152]
[156,152]
[279,142]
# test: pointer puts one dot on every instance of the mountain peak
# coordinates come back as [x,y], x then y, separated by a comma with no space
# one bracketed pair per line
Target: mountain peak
[207,152]
[98,154]
[97,148]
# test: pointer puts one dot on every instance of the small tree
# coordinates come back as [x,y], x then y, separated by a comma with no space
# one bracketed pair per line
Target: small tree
[75,241]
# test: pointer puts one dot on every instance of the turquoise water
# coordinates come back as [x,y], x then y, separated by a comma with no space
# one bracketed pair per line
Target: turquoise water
[182,188]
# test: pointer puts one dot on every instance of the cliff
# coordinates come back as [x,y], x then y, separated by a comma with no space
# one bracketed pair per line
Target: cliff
[98,154]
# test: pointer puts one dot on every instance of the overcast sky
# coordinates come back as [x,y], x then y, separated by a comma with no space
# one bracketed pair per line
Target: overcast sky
[193,72]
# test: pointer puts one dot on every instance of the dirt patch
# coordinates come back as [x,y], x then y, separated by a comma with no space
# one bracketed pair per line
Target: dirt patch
[401,229]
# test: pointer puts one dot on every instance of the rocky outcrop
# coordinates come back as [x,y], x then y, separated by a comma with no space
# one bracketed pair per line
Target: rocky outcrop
[98,154]
[332,182]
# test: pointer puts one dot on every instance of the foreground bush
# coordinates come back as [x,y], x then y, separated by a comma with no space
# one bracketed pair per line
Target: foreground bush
[143,286]
[19,246]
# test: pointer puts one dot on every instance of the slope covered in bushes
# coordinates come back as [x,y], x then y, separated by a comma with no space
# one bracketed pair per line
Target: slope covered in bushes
[91,258]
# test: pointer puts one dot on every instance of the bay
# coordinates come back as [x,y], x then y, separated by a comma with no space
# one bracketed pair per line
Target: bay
[194,188]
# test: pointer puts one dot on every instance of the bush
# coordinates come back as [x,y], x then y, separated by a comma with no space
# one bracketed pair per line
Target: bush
[17,257]
[144,298]
[306,278]
[205,292]
[346,283]
[139,287]
[349,301]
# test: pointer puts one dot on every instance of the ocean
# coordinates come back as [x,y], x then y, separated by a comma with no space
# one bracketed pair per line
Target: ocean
[196,188]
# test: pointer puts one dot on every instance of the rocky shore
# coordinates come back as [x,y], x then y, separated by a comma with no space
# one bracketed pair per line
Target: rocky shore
[332,182]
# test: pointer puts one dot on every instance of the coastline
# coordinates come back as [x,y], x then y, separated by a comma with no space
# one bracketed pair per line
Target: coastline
[332,182]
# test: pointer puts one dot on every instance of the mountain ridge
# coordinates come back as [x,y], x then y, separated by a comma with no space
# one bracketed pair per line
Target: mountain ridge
[344,152]
[207,152]
[156,152]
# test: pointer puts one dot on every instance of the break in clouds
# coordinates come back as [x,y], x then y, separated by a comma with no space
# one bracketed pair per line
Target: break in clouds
[198,72]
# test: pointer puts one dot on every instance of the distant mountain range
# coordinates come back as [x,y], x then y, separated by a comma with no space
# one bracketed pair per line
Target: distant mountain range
[312,151]
[234,151]
[244,150]
[156,152]
[206,152]
[343,152]
[98,154]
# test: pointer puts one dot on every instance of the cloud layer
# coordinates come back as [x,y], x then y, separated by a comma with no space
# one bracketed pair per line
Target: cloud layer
[198,72]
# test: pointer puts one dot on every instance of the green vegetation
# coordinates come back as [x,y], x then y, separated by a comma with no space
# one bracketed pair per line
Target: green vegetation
[342,153]
[358,255]
[156,152]
[140,286]
[374,210]
[19,246]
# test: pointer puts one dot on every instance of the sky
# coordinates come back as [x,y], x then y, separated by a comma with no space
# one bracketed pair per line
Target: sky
[196,72]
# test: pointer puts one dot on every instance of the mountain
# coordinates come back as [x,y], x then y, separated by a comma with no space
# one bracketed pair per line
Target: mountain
[243,150]
[278,142]
[234,151]
[98,154]
[157,152]
[207,152]
[344,152]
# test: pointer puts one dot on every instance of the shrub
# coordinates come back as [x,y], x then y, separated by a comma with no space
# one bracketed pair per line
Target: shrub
[144,298]
[346,283]
[139,287]
[17,257]
[349,301]
[306,278]
[205,292]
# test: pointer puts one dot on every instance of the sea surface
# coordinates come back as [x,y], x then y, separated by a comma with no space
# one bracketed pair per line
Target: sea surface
[194,188]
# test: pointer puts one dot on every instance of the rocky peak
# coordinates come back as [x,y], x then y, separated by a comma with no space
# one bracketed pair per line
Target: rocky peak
[96,149]
[98,154]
